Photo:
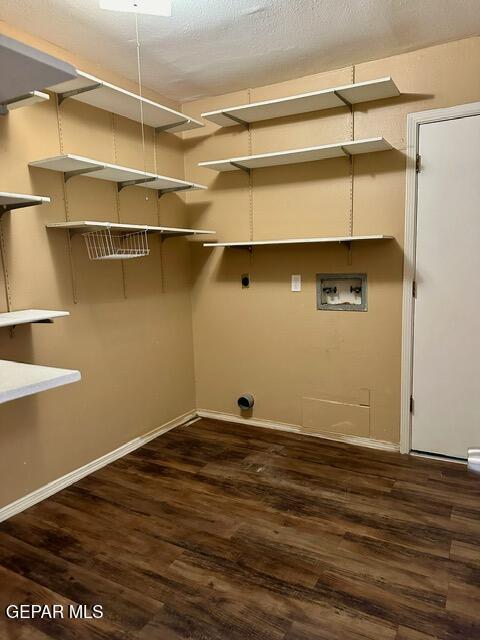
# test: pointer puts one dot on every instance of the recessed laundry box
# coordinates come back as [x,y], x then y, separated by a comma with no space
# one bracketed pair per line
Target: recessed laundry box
[342,291]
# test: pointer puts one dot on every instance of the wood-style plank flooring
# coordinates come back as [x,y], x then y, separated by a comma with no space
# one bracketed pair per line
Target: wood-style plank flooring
[217,531]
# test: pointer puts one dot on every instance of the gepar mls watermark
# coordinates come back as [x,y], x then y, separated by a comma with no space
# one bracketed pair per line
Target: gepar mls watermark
[51,611]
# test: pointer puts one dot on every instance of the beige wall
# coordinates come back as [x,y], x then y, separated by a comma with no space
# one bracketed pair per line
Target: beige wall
[130,332]
[273,343]
[132,343]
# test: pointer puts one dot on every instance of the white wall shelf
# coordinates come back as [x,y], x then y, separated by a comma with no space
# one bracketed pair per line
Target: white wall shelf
[294,156]
[23,101]
[26,70]
[248,244]
[102,94]
[30,316]
[92,225]
[18,379]
[72,165]
[345,95]
[9,201]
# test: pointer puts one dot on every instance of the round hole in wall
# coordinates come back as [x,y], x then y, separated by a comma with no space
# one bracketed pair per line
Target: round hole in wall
[245,280]
[246,401]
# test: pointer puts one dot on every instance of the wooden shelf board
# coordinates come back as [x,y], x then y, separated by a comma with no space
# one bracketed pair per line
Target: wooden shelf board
[295,156]
[18,379]
[254,243]
[91,225]
[305,102]
[27,316]
[110,97]
[112,172]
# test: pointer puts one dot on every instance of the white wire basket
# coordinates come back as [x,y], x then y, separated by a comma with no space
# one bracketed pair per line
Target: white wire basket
[102,244]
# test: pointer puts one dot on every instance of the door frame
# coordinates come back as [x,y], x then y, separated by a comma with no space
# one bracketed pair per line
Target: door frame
[414,120]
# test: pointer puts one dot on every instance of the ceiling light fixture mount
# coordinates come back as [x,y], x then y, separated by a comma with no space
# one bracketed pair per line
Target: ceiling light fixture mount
[150,7]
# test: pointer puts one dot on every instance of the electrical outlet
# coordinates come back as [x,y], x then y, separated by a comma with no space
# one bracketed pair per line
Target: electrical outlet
[296,282]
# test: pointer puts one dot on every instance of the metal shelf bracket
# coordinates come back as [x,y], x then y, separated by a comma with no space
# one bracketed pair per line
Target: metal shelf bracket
[344,100]
[236,119]
[162,192]
[132,183]
[166,127]
[247,247]
[4,208]
[79,172]
[76,92]
[241,167]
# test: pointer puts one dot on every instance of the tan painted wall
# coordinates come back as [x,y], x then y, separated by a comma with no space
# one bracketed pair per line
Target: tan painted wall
[135,353]
[273,343]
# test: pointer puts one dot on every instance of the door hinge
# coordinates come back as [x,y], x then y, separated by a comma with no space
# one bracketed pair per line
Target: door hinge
[414,289]
[411,404]
[418,163]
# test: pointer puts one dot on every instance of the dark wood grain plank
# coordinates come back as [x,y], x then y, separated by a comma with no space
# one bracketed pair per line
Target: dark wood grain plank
[219,531]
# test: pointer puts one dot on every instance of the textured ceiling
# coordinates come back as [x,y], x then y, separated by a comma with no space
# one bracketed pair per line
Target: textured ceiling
[209,47]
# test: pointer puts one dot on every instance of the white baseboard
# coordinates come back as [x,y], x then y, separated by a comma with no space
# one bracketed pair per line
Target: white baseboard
[293,428]
[57,485]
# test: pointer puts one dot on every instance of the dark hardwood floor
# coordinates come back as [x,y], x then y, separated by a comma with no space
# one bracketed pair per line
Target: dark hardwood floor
[217,531]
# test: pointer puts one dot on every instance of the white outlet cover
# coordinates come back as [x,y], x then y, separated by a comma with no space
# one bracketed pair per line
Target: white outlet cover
[296,282]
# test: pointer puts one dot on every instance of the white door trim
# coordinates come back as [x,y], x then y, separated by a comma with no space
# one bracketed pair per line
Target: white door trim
[414,120]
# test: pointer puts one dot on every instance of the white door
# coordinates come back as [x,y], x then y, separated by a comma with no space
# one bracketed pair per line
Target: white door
[446,346]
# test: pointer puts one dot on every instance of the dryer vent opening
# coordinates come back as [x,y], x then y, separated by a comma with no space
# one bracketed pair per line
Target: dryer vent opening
[246,401]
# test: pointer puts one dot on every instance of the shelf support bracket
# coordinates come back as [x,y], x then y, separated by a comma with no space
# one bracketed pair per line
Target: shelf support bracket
[44,321]
[4,208]
[240,166]
[236,119]
[74,232]
[162,192]
[166,127]
[75,92]
[165,236]
[248,248]
[344,100]
[132,183]
[348,246]
[79,172]
[4,105]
